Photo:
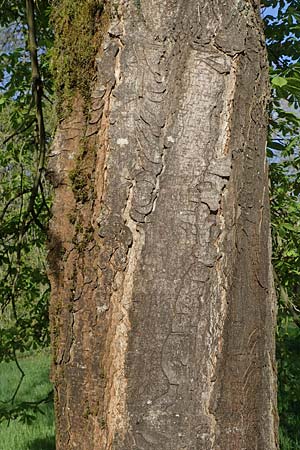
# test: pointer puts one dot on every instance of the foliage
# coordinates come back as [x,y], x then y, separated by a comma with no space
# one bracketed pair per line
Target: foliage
[24,193]
[282,33]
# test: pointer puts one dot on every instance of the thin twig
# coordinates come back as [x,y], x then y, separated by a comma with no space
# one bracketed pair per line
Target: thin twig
[10,201]
[44,198]
[37,93]
[18,131]
[20,380]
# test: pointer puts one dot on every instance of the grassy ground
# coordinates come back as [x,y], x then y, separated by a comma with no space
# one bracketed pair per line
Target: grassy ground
[40,434]
[288,350]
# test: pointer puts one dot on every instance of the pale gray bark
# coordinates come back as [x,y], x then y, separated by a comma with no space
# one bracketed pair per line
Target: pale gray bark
[164,327]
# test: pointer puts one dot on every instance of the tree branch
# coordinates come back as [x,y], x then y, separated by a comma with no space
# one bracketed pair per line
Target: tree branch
[37,93]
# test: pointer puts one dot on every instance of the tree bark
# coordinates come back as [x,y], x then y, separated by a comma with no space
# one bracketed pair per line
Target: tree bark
[163,307]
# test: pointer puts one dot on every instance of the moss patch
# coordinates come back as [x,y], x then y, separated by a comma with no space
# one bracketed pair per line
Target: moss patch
[79,27]
[79,184]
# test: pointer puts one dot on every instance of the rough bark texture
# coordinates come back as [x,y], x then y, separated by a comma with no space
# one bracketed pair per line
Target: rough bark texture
[162,298]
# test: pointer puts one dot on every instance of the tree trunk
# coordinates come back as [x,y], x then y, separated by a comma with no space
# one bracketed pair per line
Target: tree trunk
[163,306]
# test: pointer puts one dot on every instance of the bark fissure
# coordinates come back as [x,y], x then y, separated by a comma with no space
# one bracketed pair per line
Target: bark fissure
[117,420]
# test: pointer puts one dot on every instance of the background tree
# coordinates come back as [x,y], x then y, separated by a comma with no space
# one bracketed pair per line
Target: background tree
[24,205]
[283,32]
[162,297]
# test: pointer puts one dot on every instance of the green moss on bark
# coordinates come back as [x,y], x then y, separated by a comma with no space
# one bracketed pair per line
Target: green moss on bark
[79,28]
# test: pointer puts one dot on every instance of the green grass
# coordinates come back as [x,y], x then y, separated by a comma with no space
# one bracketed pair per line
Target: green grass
[38,435]
[287,443]
[288,353]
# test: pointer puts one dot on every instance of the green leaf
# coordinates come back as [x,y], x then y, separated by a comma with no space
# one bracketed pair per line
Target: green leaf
[279,81]
[290,227]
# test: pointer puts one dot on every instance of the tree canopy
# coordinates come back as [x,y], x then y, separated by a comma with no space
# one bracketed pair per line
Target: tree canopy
[282,36]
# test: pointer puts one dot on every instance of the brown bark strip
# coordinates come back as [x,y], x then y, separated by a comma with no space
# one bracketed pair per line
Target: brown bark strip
[162,306]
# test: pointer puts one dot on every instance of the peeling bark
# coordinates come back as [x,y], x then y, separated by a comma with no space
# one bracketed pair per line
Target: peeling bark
[163,307]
